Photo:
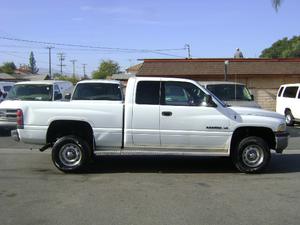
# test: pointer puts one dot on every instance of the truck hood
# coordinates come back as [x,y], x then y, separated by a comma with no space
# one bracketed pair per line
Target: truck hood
[250,104]
[255,112]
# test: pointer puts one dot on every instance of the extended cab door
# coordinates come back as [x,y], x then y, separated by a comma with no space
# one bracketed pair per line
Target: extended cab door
[186,122]
[145,114]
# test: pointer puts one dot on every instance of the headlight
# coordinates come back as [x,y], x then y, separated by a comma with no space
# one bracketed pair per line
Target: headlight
[281,127]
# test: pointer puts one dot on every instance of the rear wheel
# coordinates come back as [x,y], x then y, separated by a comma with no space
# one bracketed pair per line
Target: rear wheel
[289,118]
[70,153]
[251,155]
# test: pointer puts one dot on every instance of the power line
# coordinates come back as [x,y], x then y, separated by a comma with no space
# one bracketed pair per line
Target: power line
[158,51]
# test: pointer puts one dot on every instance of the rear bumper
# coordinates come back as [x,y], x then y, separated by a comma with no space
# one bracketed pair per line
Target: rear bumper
[6,125]
[282,139]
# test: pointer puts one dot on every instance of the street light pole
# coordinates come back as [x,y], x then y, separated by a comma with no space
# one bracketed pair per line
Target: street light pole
[226,63]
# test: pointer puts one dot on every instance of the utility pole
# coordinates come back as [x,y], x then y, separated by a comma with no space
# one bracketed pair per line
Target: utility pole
[73,61]
[188,47]
[61,58]
[50,73]
[84,75]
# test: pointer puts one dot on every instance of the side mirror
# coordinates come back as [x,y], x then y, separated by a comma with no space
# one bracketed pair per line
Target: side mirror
[57,96]
[4,95]
[252,97]
[208,101]
[68,96]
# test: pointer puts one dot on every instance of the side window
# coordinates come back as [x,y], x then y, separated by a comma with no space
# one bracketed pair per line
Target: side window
[280,91]
[290,92]
[182,94]
[147,92]
[56,89]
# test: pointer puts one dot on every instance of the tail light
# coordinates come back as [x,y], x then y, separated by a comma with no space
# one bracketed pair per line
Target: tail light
[20,119]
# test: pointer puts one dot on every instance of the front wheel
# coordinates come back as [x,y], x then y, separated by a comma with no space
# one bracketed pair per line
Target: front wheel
[251,155]
[70,153]
[289,119]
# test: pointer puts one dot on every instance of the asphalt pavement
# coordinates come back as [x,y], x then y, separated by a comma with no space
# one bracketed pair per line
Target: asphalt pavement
[147,190]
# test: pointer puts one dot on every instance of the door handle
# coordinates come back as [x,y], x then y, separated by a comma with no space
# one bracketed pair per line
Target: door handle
[166,113]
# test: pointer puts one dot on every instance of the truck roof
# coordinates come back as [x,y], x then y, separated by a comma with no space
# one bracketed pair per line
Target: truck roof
[160,79]
[43,82]
[218,82]
[100,81]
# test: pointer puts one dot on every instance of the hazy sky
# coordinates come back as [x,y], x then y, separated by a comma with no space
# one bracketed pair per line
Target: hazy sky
[213,28]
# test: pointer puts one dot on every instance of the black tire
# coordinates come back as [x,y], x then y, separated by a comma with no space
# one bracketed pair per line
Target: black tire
[71,154]
[251,155]
[289,118]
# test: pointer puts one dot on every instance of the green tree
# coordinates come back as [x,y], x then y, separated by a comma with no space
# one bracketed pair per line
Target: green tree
[106,68]
[284,48]
[32,64]
[8,67]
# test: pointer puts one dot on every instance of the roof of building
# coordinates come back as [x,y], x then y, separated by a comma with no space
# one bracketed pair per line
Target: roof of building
[215,66]
[134,69]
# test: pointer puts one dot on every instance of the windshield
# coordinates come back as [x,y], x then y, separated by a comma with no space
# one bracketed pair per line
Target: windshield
[31,92]
[230,92]
[97,91]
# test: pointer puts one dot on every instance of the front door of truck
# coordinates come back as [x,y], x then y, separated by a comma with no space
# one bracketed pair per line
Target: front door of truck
[187,123]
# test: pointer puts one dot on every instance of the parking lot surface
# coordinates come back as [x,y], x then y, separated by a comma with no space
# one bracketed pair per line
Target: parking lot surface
[147,190]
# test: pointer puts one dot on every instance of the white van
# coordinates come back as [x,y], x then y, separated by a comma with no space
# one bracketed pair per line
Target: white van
[232,93]
[4,89]
[288,103]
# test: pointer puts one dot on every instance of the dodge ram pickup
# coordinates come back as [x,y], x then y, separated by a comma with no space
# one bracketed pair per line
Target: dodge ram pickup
[159,116]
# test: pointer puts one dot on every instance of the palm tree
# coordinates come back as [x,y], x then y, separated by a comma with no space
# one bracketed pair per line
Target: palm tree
[276,4]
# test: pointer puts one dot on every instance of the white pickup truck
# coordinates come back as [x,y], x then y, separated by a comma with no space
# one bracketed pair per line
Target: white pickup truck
[160,116]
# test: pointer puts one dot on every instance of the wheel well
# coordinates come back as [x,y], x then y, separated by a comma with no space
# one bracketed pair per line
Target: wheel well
[61,128]
[287,110]
[262,132]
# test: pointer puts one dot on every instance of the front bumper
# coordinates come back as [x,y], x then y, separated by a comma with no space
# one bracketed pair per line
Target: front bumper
[282,139]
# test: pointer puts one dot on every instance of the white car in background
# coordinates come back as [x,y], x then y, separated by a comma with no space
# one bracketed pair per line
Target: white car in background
[232,93]
[288,103]
[31,91]
[4,89]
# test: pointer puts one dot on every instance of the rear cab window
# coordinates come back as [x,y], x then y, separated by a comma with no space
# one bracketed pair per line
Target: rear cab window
[98,91]
[148,93]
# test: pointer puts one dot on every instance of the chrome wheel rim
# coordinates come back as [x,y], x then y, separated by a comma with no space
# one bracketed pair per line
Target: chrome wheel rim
[70,155]
[253,156]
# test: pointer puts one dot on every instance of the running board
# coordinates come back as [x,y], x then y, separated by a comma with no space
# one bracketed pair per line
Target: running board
[167,153]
